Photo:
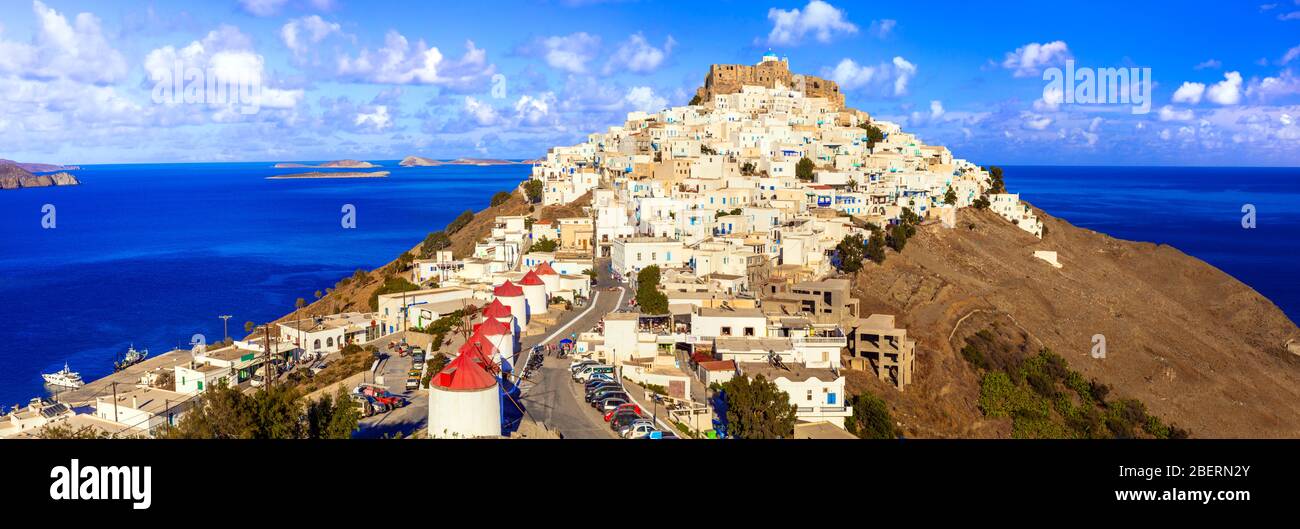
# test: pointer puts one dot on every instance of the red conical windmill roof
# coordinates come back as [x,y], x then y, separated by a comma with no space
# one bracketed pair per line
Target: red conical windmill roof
[462,374]
[484,344]
[545,269]
[492,327]
[508,290]
[531,279]
[496,309]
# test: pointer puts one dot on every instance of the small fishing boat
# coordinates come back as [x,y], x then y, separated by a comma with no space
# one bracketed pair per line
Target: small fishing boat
[132,357]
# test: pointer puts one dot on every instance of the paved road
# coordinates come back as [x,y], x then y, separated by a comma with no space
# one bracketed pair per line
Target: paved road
[551,397]
[402,421]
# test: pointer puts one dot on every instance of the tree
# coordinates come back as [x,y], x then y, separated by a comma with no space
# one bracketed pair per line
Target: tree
[997,184]
[804,169]
[851,251]
[533,190]
[874,134]
[460,222]
[404,261]
[332,418]
[981,203]
[757,409]
[871,419]
[876,247]
[545,245]
[950,197]
[898,237]
[695,100]
[748,169]
[500,198]
[648,296]
[433,243]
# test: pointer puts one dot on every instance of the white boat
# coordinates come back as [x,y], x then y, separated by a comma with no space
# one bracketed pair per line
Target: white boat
[66,378]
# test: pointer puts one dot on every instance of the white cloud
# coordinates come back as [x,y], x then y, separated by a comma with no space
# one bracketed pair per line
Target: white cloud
[1212,64]
[644,98]
[482,113]
[882,28]
[637,55]
[569,53]
[888,78]
[62,50]
[1290,55]
[267,8]
[1169,113]
[403,62]
[1030,59]
[1035,121]
[820,19]
[1285,84]
[300,34]
[1227,91]
[1189,93]
[262,8]
[226,54]
[378,120]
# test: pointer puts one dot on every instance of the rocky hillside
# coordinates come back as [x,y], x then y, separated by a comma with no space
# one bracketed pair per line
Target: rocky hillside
[1199,348]
[15,177]
[353,294]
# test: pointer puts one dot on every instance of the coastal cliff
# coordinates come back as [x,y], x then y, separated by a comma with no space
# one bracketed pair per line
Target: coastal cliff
[15,177]
[1199,348]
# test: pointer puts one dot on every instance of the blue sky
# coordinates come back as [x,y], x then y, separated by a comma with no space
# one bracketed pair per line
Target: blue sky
[382,80]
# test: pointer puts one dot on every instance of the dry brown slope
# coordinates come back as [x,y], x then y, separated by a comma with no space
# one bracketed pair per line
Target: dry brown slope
[1200,348]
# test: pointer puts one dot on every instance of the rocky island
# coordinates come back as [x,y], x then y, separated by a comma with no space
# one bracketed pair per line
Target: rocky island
[326,174]
[417,161]
[338,164]
[14,176]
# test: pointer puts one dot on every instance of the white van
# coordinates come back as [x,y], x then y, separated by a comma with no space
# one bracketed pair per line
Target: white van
[585,373]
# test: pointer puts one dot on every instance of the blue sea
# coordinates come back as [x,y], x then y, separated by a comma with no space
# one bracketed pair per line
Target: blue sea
[151,254]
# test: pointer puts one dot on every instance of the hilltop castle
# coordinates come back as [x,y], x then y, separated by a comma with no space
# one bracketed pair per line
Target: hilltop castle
[729,78]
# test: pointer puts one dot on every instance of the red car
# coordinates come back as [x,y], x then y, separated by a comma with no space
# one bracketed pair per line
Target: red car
[629,406]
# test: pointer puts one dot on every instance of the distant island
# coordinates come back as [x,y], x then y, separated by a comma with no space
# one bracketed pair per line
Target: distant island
[16,176]
[339,174]
[338,164]
[417,161]
[39,167]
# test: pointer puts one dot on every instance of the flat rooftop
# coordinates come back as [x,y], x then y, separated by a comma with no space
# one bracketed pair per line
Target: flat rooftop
[793,373]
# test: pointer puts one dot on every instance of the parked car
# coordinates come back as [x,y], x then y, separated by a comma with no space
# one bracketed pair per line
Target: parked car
[597,401]
[576,364]
[627,426]
[639,430]
[593,384]
[604,393]
[611,404]
[604,384]
[363,405]
[413,383]
[586,372]
[316,369]
[627,406]
[623,417]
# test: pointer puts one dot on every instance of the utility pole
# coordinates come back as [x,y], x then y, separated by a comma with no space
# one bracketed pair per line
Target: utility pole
[115,414]
[266,346]
[225,327]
